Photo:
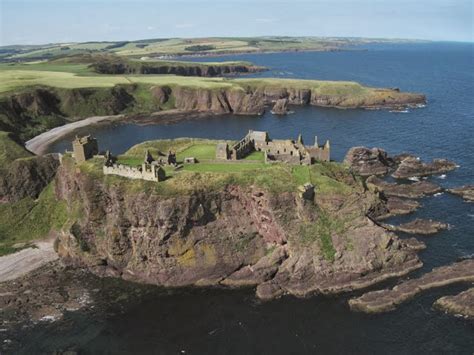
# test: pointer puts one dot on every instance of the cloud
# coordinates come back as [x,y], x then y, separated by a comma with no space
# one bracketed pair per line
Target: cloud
[265,20]
[150,28]
[184,25]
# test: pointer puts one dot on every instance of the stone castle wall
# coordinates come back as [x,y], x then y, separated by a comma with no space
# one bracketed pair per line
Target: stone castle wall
[147,172]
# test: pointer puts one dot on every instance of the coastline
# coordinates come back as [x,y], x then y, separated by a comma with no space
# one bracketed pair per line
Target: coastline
[40,143]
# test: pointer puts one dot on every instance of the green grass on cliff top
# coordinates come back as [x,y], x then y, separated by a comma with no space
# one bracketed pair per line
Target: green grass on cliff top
[214,175]
[173,46]
[11,80]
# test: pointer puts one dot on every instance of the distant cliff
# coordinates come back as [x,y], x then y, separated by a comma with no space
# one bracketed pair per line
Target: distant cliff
[37,109]
[174,68]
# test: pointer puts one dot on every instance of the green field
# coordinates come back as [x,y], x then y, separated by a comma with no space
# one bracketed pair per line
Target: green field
[177,46]
[16,79]
[186,46]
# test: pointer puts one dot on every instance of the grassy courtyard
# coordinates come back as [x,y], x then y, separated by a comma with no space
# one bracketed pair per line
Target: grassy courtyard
[212,174]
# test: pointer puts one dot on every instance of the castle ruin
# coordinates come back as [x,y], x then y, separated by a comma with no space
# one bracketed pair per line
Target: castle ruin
[150,170]
[276,150]
[84,148]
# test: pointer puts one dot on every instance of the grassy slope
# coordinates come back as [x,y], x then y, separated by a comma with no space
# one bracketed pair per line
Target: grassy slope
[211,175]
[178,46]
[25,220]
[28,220]
[16,79]
[10,150]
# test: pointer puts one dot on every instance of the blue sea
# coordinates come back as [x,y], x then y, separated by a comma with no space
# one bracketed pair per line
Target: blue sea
[217,321]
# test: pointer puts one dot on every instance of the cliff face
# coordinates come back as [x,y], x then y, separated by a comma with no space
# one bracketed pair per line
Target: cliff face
[252,100]
[34,111]
[27,177]
[239,236]
[188,69]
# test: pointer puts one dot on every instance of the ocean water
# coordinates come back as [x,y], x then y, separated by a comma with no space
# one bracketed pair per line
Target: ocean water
[219,321]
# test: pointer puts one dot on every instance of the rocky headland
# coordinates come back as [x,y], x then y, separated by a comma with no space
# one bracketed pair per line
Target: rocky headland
[399,197]
[122,66]
[388,300]
[376,161]
[241,235]
[34,110]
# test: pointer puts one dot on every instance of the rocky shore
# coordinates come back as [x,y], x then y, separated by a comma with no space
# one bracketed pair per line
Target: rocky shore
[395,206]
[415,190]
[376,161]
[418,226]
[466,192]
[389,299]
[461,304]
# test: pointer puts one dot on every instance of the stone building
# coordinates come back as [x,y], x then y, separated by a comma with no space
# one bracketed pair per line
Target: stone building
[84,148]
[222,151]
[276,150]
[150,170]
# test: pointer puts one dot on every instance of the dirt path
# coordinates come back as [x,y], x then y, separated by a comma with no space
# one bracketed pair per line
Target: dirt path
[18,264]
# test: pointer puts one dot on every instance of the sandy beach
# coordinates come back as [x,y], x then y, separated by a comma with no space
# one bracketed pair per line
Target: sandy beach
[20,263]
[38,144]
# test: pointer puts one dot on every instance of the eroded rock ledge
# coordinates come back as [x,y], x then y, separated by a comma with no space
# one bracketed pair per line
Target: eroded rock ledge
[376,161]
[418,226]
[415,190]
[466,192]
[460,304]
[387,300]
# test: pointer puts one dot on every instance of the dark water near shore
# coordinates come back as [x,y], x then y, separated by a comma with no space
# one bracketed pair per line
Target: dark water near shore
[232,322]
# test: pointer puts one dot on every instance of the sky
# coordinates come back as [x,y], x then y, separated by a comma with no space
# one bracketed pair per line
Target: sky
[52,21]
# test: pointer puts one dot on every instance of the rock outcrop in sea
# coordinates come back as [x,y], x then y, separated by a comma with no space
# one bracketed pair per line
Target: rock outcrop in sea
[466,192]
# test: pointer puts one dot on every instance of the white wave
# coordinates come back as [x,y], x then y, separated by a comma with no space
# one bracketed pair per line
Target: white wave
[470,215]
[399,111]
[50,318]
[420,105]
[438,194]
[442,176]
[414,178]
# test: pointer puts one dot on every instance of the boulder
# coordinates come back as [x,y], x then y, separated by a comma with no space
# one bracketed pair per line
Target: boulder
[366,162]
[280,107]
[414,167]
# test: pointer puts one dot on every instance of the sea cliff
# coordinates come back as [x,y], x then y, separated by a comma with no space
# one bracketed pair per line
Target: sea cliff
[36,109]
[219,229]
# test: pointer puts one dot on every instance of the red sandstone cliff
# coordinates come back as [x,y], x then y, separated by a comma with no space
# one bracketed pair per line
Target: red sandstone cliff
[239,236]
